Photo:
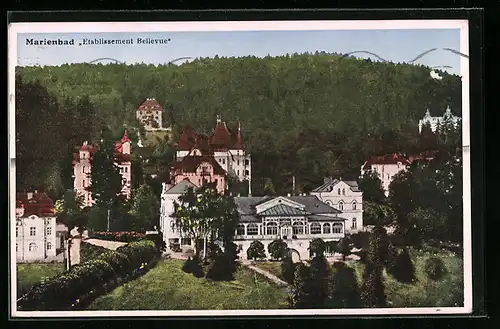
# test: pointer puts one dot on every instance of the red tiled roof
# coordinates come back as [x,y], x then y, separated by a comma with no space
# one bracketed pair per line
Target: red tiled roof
[40,204]
[125,137]
[187,140]
[150,104]
[222,138]
[191,163]
[385,160]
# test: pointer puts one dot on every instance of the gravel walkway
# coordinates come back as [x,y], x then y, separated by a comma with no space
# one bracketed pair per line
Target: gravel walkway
[112,245]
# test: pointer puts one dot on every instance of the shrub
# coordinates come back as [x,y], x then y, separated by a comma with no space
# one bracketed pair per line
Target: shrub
[435,268]
[390,260]
[223,267]
[277,249]
[360,239]
[197,268]
[188,266]
[89,251]
[344,291]
[403,269]
[345,247]
[377,246]
[317,246]
[256,250]
[118,261]
[158,241]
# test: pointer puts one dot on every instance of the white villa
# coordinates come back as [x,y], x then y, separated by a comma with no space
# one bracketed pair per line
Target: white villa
[295,219]
[344,196]
[35,227]
[434,122]
[150,114]
[386,167]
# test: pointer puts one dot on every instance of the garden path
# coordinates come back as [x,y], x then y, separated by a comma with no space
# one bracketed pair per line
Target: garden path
[112,245]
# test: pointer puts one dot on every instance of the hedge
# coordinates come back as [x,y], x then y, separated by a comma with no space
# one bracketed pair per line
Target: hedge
[118,236]
[89,251]
[66,290]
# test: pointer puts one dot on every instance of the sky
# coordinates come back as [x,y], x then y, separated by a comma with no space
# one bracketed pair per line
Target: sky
[391,45]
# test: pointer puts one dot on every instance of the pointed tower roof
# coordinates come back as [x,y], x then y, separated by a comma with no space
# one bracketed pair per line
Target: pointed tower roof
[238,144]
[186,141]
[221,138]
[150,104]
[125,137]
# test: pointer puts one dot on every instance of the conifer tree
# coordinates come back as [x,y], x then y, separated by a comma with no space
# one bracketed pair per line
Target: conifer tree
[404,270]
[372,289]
[320,275]
[106,180]
[288,268]
[301,296]
[344,291]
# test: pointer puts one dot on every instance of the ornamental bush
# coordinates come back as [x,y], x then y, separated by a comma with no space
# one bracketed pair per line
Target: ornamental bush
[256,250]
[435,268]
[277,249]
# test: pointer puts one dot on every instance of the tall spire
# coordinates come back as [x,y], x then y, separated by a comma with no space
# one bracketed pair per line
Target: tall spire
[125,137]
[238,144]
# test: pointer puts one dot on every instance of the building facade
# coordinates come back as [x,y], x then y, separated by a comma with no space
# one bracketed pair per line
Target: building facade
[82,166]
[35,227]
[388,165]
[150,114]
[295,219]
[226,148]
[199,170]
[344,196]
[434,122]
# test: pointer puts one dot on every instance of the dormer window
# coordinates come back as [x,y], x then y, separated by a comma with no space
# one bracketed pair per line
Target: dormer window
[354,205]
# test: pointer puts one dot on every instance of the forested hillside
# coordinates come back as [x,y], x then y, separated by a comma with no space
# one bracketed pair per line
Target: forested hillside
[306,115]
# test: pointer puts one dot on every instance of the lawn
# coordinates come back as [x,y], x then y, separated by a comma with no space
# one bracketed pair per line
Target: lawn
[424,292]
[271,267]
[167,287]
[30,273]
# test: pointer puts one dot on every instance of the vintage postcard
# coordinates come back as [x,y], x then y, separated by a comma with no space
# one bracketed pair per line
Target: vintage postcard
[239,168]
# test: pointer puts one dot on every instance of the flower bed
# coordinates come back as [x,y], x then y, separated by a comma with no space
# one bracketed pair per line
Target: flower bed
[118,236]
[89,279]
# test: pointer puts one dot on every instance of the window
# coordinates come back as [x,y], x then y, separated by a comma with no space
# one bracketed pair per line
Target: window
[337,228]
[17,246]
[343,191]
[126,169]
[326,228]
[49,230]
[238,172]
[49,246]
[315,228]
[354,205]
[246,162]
[338,191]
[223,161]
[247,173]
[298,228]
[271,228]
[240,230]
[354,223]
[328,202]
[83,183]
[216,182]
[341,205]
[17,232]
[238,162]
[32,231]
[252,229]
[32,247]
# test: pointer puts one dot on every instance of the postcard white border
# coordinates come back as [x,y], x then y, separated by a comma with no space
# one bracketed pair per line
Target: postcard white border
[88,27]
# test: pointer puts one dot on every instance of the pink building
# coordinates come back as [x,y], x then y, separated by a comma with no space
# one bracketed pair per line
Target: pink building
[82,164]
[200,170]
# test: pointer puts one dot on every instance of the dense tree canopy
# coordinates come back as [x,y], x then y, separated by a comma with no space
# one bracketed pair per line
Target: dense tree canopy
[310,115]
